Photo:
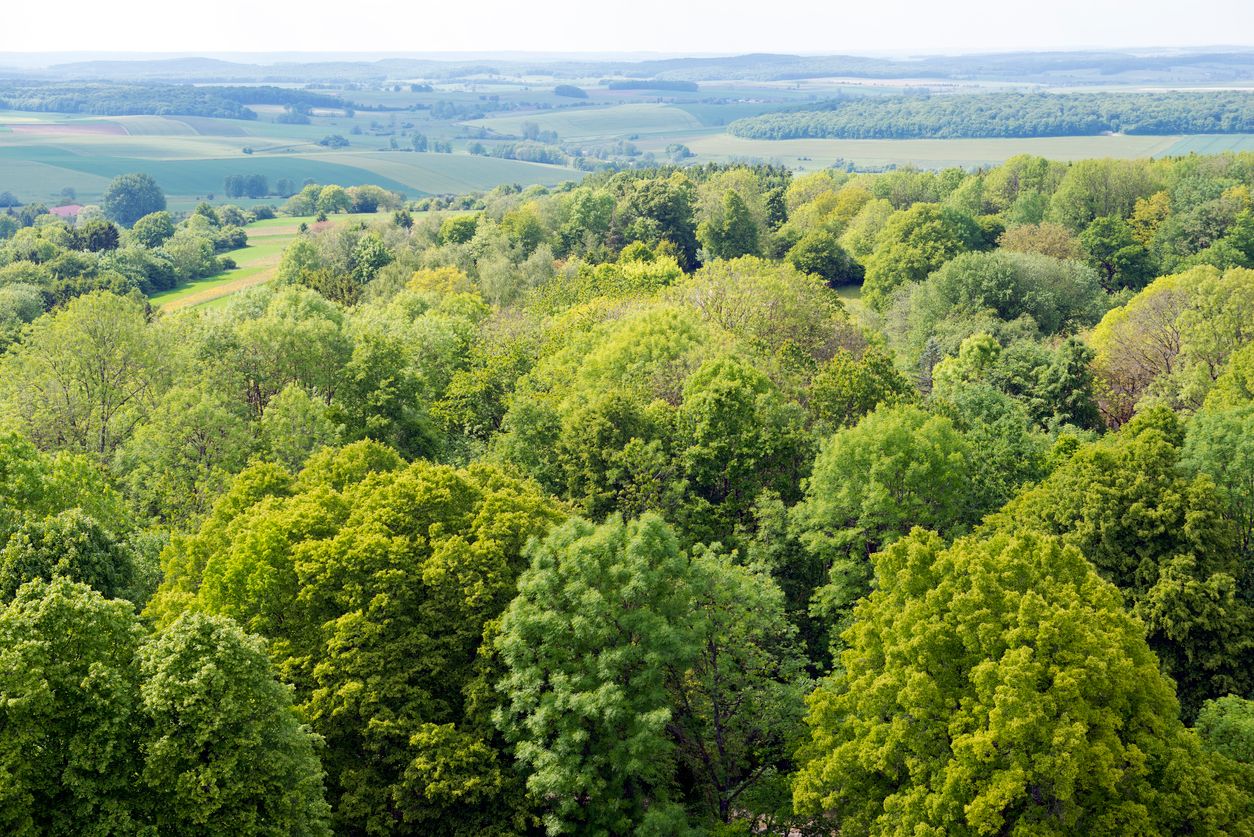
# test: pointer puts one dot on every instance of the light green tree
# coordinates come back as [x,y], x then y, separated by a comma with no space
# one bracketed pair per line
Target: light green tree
[770,305]
[84,378]
[69,686]
[872,483]
[1096,188]
[154,229]
[294,425]
[332,199]
[1226,725]
[375,583]
[912,244]
[1220,444]
[998,687]
[178,461]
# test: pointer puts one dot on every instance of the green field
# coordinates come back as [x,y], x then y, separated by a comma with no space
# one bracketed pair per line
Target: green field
[595,123]
[256,263]
[190,158]
[821,153]
[1210,144]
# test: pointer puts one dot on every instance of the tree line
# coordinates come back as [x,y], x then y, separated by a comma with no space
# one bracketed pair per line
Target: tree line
[1008,115]
[153,99]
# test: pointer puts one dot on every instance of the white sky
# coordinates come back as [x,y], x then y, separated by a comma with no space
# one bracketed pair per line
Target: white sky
[671,26]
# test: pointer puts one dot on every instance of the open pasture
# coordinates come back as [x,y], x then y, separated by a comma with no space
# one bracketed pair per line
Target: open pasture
[595,123]
[49,129]
[1210,144]
[820,153]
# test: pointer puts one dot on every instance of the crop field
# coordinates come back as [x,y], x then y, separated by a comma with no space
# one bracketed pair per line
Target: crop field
[821,153]
[594,123]
[192,159]
[444,173]
[712,114]
[1210,144]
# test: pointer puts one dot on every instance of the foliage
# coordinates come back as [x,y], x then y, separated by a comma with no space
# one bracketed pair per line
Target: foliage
[912,244]
[819,252]
[1226,726]
[1008,115]
[1163,538]
[131,197]
[998,686]
[84,378]
[600,616]
[340,473]
[737,709]
[224,750]
[898,468]
[70,545]
[374,583]
[69,688]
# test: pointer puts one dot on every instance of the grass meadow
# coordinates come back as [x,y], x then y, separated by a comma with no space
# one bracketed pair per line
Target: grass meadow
[808,154]
[595,123]
[256,264]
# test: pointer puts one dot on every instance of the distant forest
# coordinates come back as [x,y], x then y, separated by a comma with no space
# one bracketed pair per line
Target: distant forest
[1009,115]
[150,99]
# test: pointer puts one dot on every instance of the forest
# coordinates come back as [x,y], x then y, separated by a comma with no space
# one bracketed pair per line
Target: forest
[718,500]
[1009,114]
[153,99]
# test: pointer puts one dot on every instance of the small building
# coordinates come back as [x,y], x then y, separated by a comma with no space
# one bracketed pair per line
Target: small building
[68,212]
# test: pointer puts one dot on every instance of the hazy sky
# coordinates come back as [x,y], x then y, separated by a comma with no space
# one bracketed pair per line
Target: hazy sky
[673,26]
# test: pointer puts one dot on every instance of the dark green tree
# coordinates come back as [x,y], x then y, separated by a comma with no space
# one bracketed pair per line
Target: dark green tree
[660,210]
[69,545]
[98,236]
[1162,537]
[846,388]
[734,233]
[737,708]
[131,197]
[1122,261]
[819,252]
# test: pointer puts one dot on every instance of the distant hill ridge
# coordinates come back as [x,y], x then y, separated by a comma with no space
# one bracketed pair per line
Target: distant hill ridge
[1222,65]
